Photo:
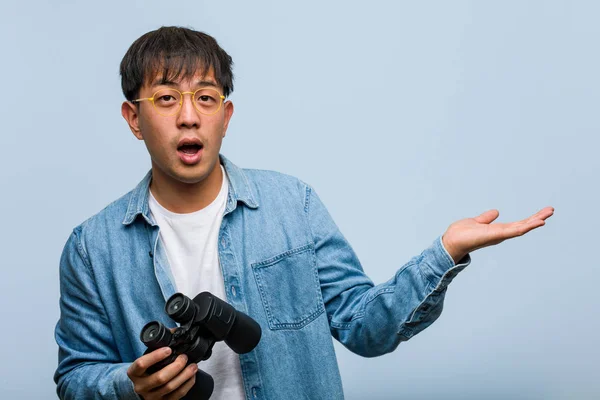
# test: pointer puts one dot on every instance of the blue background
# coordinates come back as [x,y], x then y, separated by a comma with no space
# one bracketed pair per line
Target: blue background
[405,116]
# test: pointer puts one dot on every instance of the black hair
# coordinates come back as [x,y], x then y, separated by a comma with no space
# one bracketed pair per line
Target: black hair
[174,53]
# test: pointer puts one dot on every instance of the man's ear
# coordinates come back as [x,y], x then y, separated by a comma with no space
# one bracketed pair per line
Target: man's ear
[129,111]
[228,113]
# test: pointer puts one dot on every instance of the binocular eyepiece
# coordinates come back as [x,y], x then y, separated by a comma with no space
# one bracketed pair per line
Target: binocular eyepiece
[204,321]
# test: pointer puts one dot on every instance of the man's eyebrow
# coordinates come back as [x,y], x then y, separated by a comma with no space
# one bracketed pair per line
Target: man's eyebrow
[201,83]
[207,83]
[161,81]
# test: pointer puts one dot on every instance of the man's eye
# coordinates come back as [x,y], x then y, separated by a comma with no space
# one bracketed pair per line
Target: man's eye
[205,99]
[166,98]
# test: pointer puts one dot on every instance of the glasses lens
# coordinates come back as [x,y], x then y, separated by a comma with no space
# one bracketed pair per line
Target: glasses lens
[207,101]
[167,101]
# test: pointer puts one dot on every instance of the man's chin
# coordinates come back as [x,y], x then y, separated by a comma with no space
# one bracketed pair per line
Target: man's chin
[191,179]
[192,175]
[185,174]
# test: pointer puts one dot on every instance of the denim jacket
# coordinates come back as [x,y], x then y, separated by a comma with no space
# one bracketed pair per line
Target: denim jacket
[284,262]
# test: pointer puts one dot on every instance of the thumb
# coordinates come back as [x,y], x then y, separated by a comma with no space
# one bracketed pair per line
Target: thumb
[487,217]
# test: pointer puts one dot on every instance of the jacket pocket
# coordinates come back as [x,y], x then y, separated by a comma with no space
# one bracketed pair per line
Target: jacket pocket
[289,288]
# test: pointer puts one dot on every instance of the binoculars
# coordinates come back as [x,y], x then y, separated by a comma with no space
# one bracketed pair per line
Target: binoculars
[204,321]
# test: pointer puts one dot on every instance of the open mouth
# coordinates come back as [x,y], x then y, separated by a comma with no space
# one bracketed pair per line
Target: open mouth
[190,148]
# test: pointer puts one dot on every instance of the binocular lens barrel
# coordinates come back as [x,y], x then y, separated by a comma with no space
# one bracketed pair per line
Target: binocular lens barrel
[155,335]
[180,308]
[244,334]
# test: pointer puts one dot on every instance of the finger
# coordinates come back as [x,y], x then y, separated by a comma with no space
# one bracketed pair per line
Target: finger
[515,229]
[183,389]
[487,217]
[178,381]
[139,366]
[529,227]
[543,214]
[166,374]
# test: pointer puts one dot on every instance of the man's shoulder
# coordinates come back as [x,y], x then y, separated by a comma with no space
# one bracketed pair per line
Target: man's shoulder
[275,184]
[109,218]
[269,186]
[267,176]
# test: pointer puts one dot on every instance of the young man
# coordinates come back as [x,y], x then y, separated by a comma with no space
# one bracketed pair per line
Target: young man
[260,240]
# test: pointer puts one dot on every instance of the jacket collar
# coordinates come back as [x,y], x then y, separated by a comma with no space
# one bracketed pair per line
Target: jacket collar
[239,190]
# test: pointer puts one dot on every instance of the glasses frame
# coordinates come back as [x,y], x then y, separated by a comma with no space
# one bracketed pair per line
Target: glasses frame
[193,96]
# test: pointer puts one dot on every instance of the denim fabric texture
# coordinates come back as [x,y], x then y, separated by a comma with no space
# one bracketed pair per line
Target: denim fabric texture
[284,262]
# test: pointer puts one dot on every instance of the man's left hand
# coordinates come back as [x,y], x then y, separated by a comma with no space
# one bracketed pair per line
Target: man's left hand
[470,234]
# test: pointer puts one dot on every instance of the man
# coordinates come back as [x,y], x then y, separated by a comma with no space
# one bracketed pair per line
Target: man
[260,240]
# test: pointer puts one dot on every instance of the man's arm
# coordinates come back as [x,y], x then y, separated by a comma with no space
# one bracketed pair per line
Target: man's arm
[372,320]
[89,366]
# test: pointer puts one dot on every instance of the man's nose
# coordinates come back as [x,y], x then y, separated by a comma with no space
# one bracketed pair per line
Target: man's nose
[188,115]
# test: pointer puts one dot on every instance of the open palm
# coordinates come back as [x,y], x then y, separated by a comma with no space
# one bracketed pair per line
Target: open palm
[470,234]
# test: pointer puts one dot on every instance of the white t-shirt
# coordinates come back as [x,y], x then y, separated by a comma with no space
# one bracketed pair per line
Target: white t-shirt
[191,241]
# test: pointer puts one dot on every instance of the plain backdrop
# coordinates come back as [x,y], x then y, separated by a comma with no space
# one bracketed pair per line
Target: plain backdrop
[405,116]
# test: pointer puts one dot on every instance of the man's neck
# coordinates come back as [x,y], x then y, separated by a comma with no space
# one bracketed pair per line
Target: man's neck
[184,198]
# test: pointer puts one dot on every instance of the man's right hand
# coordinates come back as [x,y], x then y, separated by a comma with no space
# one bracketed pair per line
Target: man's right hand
[170,383]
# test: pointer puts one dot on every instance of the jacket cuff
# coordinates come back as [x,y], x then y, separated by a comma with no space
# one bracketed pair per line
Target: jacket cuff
[439,264]
[125,385]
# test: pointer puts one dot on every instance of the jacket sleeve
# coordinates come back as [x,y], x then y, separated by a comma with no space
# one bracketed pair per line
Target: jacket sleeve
[89,366]
[372,320]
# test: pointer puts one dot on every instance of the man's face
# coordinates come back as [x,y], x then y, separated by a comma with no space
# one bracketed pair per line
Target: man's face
[183,147]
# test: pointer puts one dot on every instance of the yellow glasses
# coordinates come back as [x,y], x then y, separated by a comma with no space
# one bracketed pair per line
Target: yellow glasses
[168,102]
